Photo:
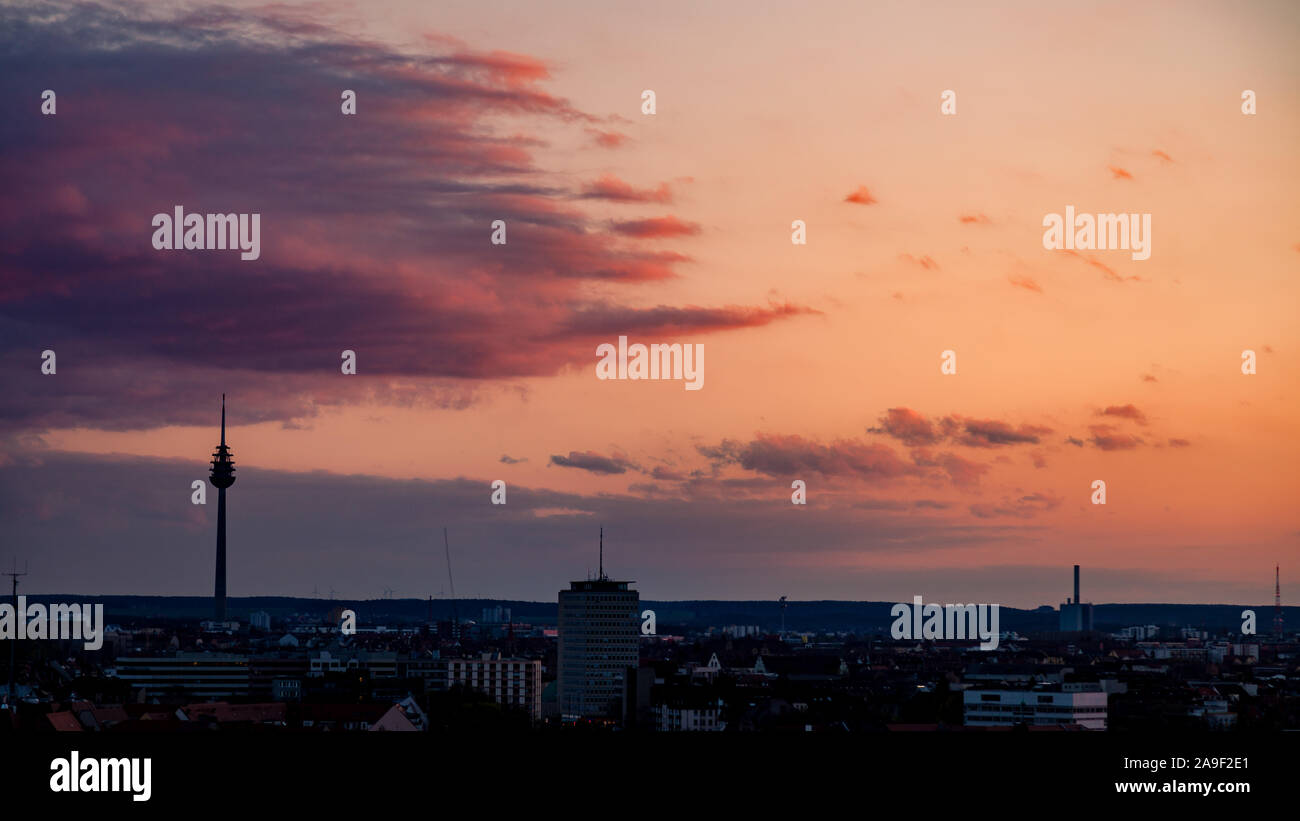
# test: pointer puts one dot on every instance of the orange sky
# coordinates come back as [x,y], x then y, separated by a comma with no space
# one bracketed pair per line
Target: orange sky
[770,113]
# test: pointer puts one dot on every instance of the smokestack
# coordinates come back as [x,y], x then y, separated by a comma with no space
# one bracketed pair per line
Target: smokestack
[1076,585]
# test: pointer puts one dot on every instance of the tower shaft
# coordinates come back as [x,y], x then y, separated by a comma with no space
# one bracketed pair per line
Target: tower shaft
[220,592]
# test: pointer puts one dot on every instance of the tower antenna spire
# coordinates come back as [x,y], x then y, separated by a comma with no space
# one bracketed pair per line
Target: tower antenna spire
[223,419]
[602,554]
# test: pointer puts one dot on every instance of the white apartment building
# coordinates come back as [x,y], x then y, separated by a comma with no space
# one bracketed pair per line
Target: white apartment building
[992,708]
[516,682]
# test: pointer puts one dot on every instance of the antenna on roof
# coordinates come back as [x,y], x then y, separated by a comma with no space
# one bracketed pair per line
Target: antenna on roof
[602,554]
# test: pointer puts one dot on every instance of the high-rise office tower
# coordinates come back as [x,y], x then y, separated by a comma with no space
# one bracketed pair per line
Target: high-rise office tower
[600,628]
[223,476]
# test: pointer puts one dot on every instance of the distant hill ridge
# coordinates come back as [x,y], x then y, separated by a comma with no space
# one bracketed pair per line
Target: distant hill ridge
[800,616]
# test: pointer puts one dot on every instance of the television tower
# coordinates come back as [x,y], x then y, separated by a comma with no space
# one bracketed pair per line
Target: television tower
[223,476]
[1277,602]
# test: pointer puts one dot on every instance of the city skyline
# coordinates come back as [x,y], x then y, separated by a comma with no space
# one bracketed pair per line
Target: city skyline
[477,362]
[630,395]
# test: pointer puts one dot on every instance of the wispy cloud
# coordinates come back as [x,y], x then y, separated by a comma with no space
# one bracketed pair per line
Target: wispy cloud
[1107,437]
[1130,412]
[924,261]
[861,196]
[1028,283]
[656,227]
[593,462]
[610,187]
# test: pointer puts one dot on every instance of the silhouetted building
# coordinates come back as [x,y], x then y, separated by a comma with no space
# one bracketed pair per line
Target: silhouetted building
[510,681]
[1076,617]
[496,615]
[690,716]
[269,670]
[638,684]
[600,629]
[1035,708]
[194,675]
[599,638]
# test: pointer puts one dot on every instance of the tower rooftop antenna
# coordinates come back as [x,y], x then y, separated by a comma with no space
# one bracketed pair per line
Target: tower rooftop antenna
[602,554]
[15,574]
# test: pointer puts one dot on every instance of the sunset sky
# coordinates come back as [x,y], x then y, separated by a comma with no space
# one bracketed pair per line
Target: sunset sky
[477,362]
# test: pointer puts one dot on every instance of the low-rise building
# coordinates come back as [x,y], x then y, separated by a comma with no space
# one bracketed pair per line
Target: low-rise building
[991,708]
[201,675]
[515,682]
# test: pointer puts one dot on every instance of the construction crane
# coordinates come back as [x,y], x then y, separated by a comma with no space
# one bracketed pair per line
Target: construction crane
[455,615]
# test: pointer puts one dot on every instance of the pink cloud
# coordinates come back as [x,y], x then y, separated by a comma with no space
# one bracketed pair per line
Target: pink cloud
[1028,283]
[610,187]
[656,228]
